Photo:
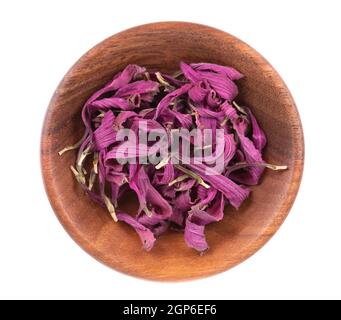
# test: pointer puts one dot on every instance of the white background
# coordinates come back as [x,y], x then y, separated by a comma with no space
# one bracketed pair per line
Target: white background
[40,40]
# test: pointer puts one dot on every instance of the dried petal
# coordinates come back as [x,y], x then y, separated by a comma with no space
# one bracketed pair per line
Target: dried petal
[105,135]
[224,86]
[190,73]
[233,192]
[112,102]
[146,236]
[138,87]
[194,236]
[258,135]
[231,73]
[199,91]
[165,102]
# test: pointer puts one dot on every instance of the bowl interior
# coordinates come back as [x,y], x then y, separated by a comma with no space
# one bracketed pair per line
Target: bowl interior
[161,46]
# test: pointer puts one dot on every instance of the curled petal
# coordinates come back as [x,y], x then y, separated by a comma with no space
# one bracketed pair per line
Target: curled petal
[185,185]
[207,113]
[123,117]
[185,120]
[228,110]
[213,100]
[148,196]
[199,91]
[258,135]
[146,236]
[105,134]
[232,191]
[195,237]
[252,175]
[224,86]
[173,81]
[166,176]
[205,196]
[131,72]
[230,148]
[165,102]
[197,220]
[189,73]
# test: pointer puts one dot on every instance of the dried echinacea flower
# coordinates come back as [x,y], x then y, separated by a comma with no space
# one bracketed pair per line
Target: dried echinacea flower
[188,195]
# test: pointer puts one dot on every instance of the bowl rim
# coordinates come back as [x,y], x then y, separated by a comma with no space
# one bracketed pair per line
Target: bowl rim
[297,174]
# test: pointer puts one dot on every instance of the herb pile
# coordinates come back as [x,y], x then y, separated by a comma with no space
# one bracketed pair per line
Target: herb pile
[186,196]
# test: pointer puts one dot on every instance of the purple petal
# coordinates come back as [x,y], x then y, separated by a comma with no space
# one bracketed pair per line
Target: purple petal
[205,195]
[185,120]
[147,97]
[165,102]
[231,73]
[182,203]
[178,217]
[160,228]
[185,185]
[138,87]
[119,80]
[251,153]
[167,192]
[147,113]
[195,237]
[155,223]
[164,176]
[229,111]
[135,100]
[250,176]
[189,73]
[216,210]
[258,135]
[207,123]
[105,134]
[146,236]
[208,113]
[171,80]
[224,86]
[241,125]
[198,219]
[113,102]
[148,196]
[199,91]
[123,117]
[212,99]
[131,72]
[232,191]
[115,177]
[230,148]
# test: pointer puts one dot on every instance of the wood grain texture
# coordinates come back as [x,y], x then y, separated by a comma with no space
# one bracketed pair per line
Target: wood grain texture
[161,46]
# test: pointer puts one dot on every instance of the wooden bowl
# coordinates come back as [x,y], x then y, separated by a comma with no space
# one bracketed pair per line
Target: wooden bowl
[241,233]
